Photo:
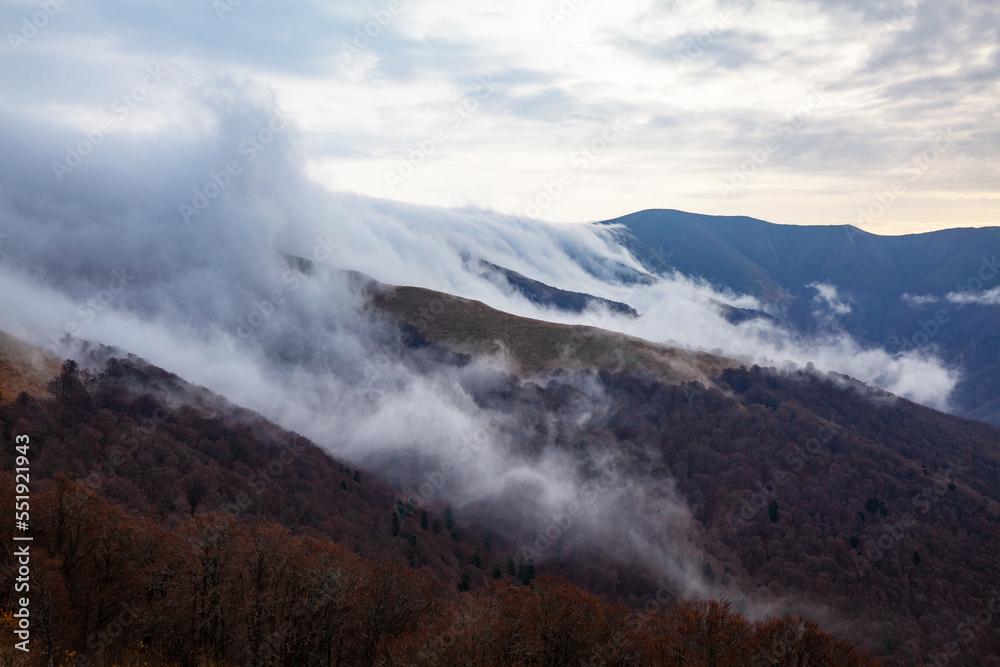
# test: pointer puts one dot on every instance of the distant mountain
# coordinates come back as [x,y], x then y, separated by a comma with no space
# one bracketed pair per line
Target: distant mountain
[547,296]
[939,290]
[533,290]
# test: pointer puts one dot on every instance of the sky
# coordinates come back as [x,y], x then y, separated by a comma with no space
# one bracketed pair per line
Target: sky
[881,114]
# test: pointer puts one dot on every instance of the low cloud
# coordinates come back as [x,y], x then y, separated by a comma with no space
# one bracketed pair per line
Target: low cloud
[827,295]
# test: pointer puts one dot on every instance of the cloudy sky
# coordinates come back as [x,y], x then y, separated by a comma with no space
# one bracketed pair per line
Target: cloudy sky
[794,111]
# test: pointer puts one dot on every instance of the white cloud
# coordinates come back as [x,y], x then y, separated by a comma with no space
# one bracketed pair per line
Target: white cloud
[918,300]
[215,272]
[988,298]
[827,295]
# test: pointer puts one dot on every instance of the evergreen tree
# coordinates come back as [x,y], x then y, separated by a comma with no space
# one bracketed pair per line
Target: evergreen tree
[411,551]
[525,571]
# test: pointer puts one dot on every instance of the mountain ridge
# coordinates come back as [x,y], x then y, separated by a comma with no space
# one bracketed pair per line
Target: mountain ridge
[893,287]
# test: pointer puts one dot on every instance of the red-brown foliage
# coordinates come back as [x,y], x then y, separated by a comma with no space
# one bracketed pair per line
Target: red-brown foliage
[149,555]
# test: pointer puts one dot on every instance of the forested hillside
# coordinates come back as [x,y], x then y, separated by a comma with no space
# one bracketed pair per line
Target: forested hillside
[811,491]
[201,534]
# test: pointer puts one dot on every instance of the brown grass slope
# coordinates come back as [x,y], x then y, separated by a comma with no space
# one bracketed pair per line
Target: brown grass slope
[533,346]
[23,367]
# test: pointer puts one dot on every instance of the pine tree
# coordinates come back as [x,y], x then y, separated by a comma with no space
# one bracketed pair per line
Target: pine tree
[525,571]
[411,551]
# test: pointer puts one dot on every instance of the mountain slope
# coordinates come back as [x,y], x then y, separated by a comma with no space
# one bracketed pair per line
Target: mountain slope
[154,444]
[787,493]
[808,492]
[762,257]
[547,296]
[170,527]
[473,328]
